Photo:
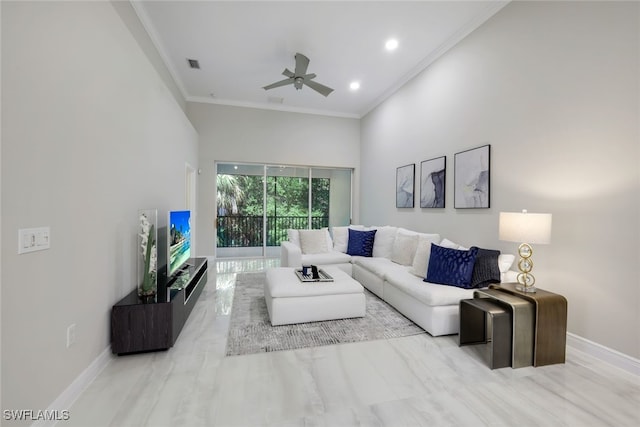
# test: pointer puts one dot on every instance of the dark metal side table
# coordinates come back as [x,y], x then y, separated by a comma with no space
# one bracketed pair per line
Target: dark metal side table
[483,321]
[550,330]
[523,324]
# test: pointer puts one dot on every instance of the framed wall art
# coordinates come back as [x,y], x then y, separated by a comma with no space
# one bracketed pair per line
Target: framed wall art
[471,178]
[432,182]
[405,177]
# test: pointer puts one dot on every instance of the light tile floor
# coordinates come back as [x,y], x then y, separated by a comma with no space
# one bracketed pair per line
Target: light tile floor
[412,381]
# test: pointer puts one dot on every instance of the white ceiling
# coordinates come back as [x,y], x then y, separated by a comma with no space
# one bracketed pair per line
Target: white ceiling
[242,46]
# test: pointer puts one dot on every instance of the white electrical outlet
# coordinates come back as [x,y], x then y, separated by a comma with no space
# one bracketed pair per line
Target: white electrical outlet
[71,335]
[33,239]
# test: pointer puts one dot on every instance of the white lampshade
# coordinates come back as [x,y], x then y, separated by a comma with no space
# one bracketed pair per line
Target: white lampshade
[525,227]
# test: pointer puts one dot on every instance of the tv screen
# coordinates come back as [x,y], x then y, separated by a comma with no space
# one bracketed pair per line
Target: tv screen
[179,240]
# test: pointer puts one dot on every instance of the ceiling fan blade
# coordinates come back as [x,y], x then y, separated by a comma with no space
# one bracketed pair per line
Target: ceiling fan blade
[287,73]
[321,89]
[308,76]
[280,83]
[302,63]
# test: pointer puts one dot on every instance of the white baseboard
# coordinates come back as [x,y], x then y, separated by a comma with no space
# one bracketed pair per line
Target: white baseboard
[77,387]
[605,354]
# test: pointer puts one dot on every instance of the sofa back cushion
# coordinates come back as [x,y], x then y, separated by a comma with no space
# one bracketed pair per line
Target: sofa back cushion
[423,253]
[404,247]
[361,242]
[383,243]
[453,267]
[313,241]
[341,236]
[293,236]
[505,261]
[446,243]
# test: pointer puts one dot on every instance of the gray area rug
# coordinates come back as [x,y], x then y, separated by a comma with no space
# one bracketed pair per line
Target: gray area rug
[250,330]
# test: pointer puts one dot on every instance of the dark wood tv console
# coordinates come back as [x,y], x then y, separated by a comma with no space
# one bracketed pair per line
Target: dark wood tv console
[138,326]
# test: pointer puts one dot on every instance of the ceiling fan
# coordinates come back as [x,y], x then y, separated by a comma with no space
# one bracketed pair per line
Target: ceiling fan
[299,77]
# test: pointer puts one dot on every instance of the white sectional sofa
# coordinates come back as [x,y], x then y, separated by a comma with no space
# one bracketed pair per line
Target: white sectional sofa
[395,271]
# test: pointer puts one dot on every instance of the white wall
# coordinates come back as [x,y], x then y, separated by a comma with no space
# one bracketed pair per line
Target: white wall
[554,88]
[128,15]
[237,134]
[339,195]
[90,135]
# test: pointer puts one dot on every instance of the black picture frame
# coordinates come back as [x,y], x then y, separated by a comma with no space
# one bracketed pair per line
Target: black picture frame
[405,184]
[472,189]
[433,175]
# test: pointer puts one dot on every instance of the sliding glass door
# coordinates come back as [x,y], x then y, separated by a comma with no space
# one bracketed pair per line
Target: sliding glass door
[258,203]
[240,210]
[287,204]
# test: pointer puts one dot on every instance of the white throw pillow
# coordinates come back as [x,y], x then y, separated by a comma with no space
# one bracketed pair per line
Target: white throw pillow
[404,247]
[423,252]
[313,241]
[383,242]
[293,236]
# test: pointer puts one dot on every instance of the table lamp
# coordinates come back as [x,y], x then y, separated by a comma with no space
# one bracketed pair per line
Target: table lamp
[526,228]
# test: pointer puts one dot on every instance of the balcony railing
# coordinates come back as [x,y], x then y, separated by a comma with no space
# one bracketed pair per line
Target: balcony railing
[238,231]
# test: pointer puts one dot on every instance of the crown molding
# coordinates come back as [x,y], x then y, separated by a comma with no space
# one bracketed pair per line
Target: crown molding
[272,107]
[155,39]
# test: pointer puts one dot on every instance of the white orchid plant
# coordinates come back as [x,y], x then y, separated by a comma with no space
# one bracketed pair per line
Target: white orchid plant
[149,257]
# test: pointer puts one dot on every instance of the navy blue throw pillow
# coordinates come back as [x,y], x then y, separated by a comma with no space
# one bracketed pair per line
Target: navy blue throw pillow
[485,270]
[451,267]
[361,242]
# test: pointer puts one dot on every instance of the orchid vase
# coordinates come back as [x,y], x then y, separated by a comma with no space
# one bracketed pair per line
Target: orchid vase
[148,255]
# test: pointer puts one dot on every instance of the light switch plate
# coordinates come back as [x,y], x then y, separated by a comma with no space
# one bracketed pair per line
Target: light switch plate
[33,239]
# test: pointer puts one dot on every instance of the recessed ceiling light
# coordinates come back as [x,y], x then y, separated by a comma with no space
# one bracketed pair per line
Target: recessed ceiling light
[354,85]
[391,44]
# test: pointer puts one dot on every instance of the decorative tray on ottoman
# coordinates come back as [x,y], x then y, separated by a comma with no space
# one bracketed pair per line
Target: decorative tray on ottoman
[323,276]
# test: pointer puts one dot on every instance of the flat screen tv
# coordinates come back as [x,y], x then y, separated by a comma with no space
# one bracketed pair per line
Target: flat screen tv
[179,236]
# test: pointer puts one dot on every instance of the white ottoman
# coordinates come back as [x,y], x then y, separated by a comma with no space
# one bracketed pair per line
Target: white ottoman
[291,301]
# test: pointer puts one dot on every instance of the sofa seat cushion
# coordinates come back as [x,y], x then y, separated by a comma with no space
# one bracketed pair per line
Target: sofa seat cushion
[429,293]
[333,257]
[378,266]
